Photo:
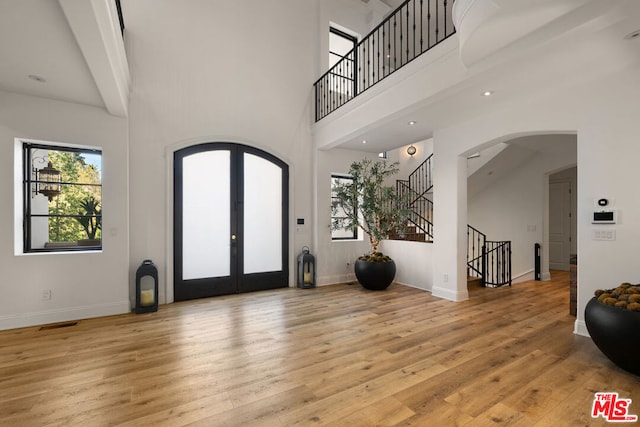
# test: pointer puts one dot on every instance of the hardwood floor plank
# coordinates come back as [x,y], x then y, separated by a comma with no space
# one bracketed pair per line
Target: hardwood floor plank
[497,385]
[339,405]
[500,415]
[445,415]
[385,412]
[334,355]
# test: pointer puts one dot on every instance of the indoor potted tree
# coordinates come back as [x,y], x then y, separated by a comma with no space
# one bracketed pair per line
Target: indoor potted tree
[367,203]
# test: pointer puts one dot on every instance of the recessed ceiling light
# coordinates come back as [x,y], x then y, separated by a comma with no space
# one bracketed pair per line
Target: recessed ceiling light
[487,93]
[364,141]
[37,78]
[633,35]
[411,123]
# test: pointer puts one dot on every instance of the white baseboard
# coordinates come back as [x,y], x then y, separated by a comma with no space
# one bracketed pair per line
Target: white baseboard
[449,294]
[336,279]
[580,328]
[524,276]
[412,286]
[23,320]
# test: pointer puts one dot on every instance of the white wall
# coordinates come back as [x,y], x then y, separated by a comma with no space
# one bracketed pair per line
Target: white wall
[234,72]
[513,206]
[407,163]
[414,262]
[82,284]
[603,112]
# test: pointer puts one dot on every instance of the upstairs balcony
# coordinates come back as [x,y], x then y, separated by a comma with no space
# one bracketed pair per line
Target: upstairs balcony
[515,49]
[413,28]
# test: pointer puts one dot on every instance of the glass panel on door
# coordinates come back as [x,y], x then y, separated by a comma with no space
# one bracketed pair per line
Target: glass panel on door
[262,215]
[206,215]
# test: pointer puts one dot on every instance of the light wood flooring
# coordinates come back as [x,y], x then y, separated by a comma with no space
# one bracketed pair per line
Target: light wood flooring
[335,355]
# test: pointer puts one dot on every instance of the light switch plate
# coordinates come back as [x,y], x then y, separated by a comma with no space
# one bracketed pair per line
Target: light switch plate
[604,234]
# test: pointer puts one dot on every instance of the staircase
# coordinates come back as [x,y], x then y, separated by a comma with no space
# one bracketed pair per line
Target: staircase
[488,261]
[417,189]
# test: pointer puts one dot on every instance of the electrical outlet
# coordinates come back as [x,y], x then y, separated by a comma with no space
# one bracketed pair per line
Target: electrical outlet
[46,294]
[445,278]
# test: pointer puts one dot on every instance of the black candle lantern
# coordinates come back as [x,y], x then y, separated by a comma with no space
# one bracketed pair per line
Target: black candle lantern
[306,269]
[146,287]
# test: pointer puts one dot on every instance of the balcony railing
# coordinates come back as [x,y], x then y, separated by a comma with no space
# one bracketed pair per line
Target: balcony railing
[412,29]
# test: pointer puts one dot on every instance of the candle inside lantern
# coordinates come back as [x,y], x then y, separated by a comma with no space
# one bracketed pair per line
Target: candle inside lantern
[146,297]
[307,278]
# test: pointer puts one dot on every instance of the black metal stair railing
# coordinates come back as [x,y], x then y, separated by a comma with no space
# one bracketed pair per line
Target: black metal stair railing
[421,179]
[414,191]
[421,210]
[488,260]
[412,29]
[476,253]
[498,264]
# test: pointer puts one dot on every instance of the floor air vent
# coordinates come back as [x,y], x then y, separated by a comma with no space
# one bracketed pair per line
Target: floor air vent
[57,326]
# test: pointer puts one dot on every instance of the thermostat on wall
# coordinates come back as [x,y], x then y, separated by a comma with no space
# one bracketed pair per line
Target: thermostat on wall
[604,217]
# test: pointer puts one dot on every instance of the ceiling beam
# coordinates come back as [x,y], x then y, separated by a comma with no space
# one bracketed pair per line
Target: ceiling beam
[96,27]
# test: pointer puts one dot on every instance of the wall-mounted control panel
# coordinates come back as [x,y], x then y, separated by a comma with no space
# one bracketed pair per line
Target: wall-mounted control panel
[604,217]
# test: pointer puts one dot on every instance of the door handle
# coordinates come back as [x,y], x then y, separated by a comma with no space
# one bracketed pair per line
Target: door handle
[233,237]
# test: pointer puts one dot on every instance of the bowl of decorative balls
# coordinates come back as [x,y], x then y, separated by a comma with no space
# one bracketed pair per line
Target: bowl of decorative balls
[613,321]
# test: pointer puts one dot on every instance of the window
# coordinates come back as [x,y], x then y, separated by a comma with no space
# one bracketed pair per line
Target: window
[382,155]
[340,43]
[337,211]
[62,195]
[343,76]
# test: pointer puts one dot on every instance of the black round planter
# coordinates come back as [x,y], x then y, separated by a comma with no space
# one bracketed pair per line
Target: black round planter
[616,332]
[375,276]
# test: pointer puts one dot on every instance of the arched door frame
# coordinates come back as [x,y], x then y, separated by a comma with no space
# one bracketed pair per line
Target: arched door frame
[545,208]
[169,153]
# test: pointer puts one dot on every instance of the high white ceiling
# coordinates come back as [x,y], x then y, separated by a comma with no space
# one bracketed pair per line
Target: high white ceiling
[35,39]
[41,55]
[66,50]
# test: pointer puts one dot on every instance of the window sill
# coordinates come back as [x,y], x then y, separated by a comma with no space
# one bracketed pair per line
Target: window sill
[80,247]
